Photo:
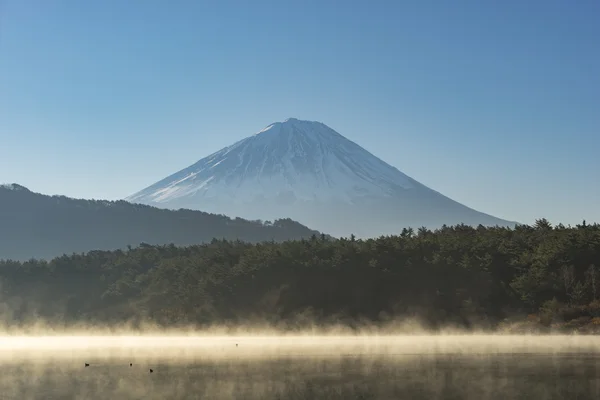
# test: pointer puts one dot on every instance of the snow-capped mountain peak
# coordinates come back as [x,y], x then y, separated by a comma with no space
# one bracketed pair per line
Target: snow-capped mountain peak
[309,172]
[301,160]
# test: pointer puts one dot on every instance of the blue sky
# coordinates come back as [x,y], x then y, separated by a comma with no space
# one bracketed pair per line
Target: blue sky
[494,104]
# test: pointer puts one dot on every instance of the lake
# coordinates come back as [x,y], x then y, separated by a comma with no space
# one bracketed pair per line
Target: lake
[300,367]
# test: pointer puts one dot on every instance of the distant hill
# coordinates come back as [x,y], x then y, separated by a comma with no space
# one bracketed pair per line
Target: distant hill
[307,171]
[33,225]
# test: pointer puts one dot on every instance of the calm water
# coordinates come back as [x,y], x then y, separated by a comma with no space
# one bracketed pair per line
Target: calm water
[482,367]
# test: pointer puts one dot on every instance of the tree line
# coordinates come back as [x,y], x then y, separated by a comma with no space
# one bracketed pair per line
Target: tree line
[456,275]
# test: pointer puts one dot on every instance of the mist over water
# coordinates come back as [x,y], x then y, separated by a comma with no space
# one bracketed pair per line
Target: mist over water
[307,365]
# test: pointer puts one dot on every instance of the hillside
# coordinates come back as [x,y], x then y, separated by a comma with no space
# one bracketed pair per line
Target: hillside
[529,277]
[40,226]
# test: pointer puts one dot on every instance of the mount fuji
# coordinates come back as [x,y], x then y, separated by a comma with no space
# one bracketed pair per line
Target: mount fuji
[307,171]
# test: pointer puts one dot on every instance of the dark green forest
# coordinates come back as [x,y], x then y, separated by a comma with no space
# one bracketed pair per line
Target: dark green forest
[539,276]
[40,226]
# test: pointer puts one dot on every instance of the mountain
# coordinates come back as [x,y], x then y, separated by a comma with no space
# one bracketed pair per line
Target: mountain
[33,225]
[307,171]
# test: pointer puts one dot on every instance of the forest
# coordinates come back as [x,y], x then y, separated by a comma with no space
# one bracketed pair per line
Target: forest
[527,277]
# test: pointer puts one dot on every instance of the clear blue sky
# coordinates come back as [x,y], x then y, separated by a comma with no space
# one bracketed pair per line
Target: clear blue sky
[495,104]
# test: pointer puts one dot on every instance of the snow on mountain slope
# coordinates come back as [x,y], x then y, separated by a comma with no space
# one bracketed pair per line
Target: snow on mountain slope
[305,159]
[305,170]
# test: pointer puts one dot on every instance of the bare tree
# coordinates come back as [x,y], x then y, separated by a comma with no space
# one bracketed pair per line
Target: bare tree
[568,276]
[592,278]
[578,293]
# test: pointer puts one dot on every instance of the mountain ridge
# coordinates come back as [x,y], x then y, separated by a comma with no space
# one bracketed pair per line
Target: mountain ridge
[33,225]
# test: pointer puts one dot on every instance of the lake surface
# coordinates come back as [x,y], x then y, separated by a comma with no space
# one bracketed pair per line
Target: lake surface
[300,367]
